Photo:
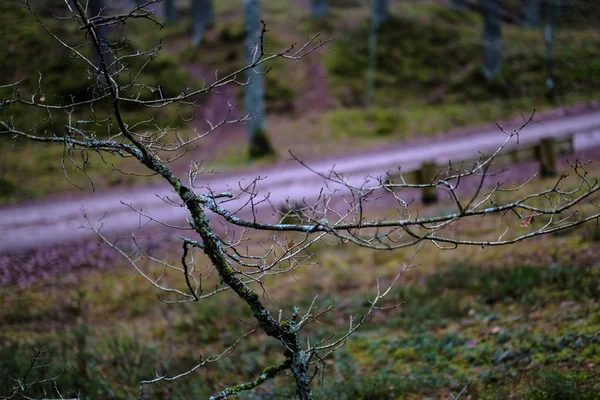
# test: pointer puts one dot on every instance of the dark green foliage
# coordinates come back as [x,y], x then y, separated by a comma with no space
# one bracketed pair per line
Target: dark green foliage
[260,145]
[63,358]
[357,386]
[27,49]
[499,284]
[578,13]
[290,213]
[164,71]
[403,63]
[412,350]
[556,385]
[595,236]
[232,34]
[345,3]
[435,55]
[207,324]
[443,294]
[278,95]
[7,187]
[384,122]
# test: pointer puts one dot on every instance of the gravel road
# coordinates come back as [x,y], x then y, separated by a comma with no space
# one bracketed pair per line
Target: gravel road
[53,222]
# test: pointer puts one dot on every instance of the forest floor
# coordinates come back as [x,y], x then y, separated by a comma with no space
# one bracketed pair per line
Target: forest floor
[515,322]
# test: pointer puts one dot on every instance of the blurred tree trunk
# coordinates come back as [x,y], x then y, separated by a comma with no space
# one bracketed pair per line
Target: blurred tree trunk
[550,11]
[532,13]
[458,4]
[259,144]
[492,38]
[319,8]
[202,17]
[95,8]
[170,11]
[380,12]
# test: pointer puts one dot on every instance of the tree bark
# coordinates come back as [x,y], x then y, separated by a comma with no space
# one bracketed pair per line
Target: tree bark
[299,367]
[319,8]
[492,39]
[532,13]
[548,36]
[170,11]
[94,9]
[202,16]
[260,145]
[458,4]
[380,11]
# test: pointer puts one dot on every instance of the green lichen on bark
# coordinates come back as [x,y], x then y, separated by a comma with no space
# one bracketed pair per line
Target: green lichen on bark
[286,326]
[268,373]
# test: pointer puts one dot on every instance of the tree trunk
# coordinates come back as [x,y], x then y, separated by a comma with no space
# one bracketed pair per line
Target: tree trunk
[319,8]
[458,4]
[532,13]
[202,17]
[299,367]
[492,39]
[95,8]
[550,92]
[260,145]
[380,12]
[170,11]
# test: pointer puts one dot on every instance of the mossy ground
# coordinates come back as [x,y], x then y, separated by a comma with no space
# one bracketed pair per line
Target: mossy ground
[516,322]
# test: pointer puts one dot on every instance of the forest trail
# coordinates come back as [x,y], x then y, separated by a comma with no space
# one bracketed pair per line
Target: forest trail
[53,222]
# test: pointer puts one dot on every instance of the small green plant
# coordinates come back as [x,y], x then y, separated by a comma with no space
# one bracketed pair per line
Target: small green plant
[557,385]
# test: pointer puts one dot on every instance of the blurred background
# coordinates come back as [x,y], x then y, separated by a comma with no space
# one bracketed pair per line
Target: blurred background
[396,71]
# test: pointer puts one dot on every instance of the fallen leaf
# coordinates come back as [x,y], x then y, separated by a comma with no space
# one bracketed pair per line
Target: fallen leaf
[290,244]
[526,221]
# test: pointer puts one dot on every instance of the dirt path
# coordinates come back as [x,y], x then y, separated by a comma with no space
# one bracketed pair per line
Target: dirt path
[51,223]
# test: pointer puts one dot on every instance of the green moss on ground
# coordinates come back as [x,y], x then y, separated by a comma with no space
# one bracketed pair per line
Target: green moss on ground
[518,322]
[432,54]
